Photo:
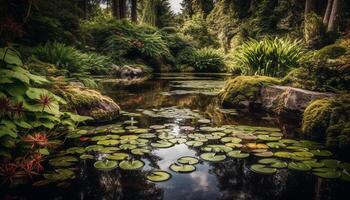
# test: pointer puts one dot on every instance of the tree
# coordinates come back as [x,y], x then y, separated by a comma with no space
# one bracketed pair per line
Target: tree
[119,9]
[328,12]
[134,10]
[333,16]
[309,6]
[157,13]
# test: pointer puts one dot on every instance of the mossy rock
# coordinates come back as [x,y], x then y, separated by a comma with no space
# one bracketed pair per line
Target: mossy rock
[332,51]
[88,102]
[244,90]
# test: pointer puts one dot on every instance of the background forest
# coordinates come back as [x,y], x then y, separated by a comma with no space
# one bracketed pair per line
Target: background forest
[51,50]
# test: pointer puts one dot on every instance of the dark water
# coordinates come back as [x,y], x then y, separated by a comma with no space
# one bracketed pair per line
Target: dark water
[227,180]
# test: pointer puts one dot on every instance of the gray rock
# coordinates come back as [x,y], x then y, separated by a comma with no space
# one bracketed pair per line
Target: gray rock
[288,99]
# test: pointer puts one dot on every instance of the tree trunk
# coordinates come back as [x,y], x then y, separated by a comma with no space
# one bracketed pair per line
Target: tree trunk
[328,12]
[122,7]
[116,9]
[333,16]
[134,10]
[309,6]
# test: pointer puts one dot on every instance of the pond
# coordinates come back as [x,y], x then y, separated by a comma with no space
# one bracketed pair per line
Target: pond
[224,152]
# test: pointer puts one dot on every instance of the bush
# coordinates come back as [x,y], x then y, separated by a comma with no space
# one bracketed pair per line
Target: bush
[95,64]
[59,54]
[268,57]
[202,60]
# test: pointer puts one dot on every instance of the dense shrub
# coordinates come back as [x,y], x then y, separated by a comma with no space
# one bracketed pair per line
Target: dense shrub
[269,57]
[120,38]
[59,54]
[202,60]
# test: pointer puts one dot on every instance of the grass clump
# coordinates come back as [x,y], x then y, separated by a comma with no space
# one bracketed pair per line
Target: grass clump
[268,57]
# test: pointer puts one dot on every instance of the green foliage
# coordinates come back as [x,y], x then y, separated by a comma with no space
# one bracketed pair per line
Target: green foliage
[157,13]
[314,32]
[122,39]
[59,54]
[269,57]
[95,63]
[25,107]
[197,32]
[208,60]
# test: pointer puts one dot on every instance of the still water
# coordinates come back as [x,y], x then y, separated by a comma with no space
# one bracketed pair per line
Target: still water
[176,100]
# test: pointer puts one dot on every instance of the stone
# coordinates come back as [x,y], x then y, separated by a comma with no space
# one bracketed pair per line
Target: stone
[288,99]
[134,71]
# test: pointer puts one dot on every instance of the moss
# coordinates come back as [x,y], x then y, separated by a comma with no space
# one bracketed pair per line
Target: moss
[329,120]
[90,103]
[299,78]
[314,33]
[316,117]
[244,89]
[331,51]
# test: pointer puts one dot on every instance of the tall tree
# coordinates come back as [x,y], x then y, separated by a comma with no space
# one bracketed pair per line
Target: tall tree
[123,8]
[328,12]
[116,9]
[309,6]
[134,10]
[333,18]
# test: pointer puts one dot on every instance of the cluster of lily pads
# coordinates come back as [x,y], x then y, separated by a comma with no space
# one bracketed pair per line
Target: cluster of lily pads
[124,145]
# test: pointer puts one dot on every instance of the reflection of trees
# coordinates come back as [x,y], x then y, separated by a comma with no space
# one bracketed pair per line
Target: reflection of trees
[117,185]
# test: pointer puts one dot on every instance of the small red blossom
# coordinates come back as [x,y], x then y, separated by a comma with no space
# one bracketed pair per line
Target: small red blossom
[39,139]
[45,100]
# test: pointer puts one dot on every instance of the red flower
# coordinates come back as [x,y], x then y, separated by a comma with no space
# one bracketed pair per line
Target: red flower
[39,139]
[45,101]
[9,171]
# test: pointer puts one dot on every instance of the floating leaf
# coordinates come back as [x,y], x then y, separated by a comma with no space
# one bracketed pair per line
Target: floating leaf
[268,138]
[331,163]
[264,154]
[237,154]
[59,175]
[230,140]
[299,166]
[262,169]
[86,157]
[147,135]
[64,161]
[162,144]
[105,164]
[213,157]
[181,168]
[304,154]
[127,146]
[188,160]
[313,163]
[158,176]
[276,145]
[194,143]
[329,174]
[118,156]
[140,151]
[283,154]
[108,142]
[323,153]
[131,164]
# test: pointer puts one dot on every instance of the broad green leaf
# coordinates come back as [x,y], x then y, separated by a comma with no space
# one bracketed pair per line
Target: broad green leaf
[10,56]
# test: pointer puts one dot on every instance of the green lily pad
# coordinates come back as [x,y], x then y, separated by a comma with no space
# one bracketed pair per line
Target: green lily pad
[147,135]
[194,143]
[131,164]
[156,127]
[140,151]
[127,146]
[288,141]
[108,142]
[217,148]
[213,157]
[230,140]
[181,168]
[233,145]
[329,174]
[331,163]
[299,166]
[268,138]
[283,154]
[76,150]
[60,175]
[93,148]
[178,140]
[162,144]
[129,137]
[87,157]
[64,161]
[276,145]
[203,121]
[262,169]
[313,163]
[304,154]
[105,164]
[324,169]
[188,160]
[237,154]
[98,138]
[108,150]
[158,176]
[322,153]
[264,154]
[118,156]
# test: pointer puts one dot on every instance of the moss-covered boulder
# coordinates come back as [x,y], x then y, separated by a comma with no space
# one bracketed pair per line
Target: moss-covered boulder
[244,91]
[329,119]
[90,102]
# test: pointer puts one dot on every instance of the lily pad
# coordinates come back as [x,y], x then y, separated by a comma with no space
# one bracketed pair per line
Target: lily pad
[59,175]
[194,143]
[177,140]
[263,169]
[140,151]
[313,163]
[322,153]
[231,140]
[86,157]
[264,154]
[329,174]
[299,166]
[64,161]
[105,164]
[268,138]
[283,154]
[331,163]
[147,135]
[217,148]
[118,156]
[237,154]
[158,176]
[129,137]
[188,160]
[213,157]
[131,164]
[304,154]
[182,168]
[108,142]
[162,144]
[203,121]
[276,145]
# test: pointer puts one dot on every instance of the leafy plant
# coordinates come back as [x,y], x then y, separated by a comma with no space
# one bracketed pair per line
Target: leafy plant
[269,57]
[28,112]
[203,60]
